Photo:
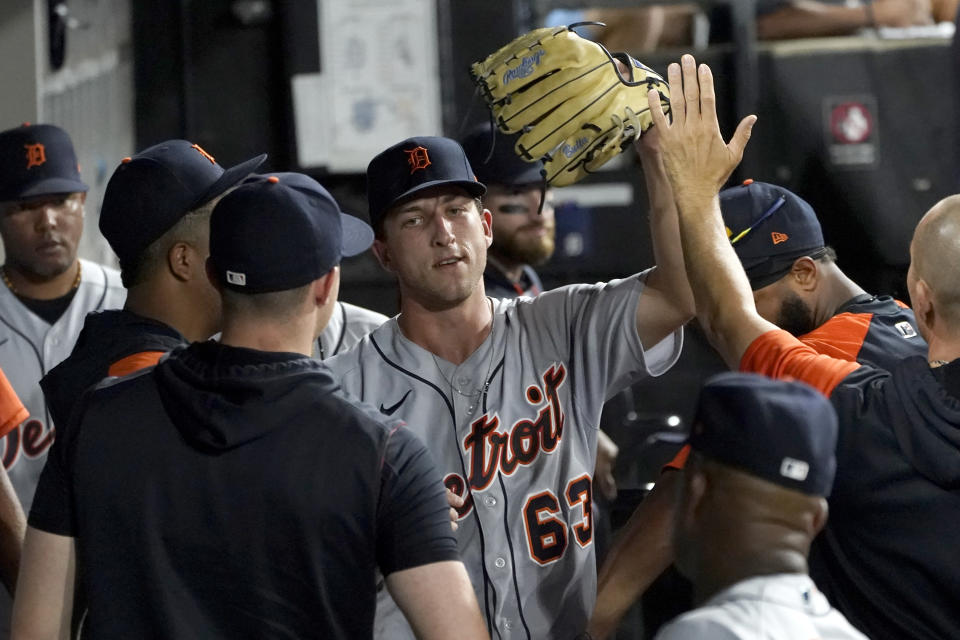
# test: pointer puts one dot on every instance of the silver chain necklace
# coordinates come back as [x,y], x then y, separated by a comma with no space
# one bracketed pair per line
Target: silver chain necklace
[478,393]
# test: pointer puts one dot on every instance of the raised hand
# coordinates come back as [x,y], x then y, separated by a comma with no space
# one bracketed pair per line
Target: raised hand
[696,158]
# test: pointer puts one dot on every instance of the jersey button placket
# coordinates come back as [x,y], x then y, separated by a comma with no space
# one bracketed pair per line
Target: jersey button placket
[499,563]
[490,502]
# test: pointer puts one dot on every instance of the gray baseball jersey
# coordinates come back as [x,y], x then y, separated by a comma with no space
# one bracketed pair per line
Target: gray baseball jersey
[785,606]
[29,348]
[348,324]
[512,430]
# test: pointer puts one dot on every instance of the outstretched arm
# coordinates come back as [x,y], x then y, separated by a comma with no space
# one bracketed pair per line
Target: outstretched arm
[667,301]
[438,601]
[44,602]
[698,162]
[641,553]
[13,526]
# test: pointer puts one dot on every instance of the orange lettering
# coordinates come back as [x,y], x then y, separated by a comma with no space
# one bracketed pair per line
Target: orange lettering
[417,158]
[36,154]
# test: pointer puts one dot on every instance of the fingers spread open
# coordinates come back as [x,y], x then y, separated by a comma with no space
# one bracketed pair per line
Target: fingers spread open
[691,86]
[708,99]
[740,137]
[678,105]
[656,112]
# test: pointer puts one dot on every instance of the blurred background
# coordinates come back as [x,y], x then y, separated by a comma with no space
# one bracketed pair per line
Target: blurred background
[863,125]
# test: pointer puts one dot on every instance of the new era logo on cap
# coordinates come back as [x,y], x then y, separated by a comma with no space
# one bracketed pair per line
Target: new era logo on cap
[769,228]
[239,279]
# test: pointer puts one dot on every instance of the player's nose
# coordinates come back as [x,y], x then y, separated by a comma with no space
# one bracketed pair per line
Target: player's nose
[443,230]
[47,217]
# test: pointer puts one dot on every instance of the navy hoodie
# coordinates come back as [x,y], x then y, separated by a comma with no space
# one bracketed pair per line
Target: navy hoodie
[106,337]
[230,493]
[889,557]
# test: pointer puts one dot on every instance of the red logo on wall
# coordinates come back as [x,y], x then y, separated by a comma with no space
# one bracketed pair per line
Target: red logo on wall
[851,123]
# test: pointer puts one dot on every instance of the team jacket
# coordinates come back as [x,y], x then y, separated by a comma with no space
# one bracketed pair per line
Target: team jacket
[870,330]
[877,331]
[114,342]
[233,493]
[888,558]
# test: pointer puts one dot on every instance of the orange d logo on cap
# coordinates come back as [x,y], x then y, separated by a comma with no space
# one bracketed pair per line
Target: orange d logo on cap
[36,154]
[417,158]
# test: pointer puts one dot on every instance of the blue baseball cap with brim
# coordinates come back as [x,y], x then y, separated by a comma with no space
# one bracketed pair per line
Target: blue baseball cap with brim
[414,165]
[37,160]
[281,231]
[151,191]
[781,432]
[492,156]
[769,227]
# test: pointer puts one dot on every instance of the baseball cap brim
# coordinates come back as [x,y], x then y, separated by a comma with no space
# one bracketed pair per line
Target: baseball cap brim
[357,235]
[475,189]
[51,186]
[229,178]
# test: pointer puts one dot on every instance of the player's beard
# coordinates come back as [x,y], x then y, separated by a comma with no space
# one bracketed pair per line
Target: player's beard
[795,316]
[522,248]
[42,270]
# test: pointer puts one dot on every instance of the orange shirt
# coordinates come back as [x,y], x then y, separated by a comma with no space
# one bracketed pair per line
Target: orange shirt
[777,354]
[135,362]
[12,411]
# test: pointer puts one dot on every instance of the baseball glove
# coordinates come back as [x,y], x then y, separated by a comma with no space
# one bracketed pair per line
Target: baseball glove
[568,101]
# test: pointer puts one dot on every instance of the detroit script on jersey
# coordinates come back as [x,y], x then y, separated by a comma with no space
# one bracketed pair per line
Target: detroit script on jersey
[513,430]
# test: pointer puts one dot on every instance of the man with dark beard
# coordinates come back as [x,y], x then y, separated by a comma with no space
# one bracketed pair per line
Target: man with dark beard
[798,286]
[523,233]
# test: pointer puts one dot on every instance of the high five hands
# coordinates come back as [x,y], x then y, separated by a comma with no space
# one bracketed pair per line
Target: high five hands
[697,160]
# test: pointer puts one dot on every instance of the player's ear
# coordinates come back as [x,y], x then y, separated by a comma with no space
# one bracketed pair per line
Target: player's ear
[923,303]
[181,259]
[820,516]
[382,251]
[327,287]
[805,273]
[486,219]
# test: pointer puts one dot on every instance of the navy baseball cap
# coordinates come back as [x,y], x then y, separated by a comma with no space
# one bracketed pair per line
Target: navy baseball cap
[503,166]
[782,432]
[769,227]
[281,231]
[37,160]
[414,165]
[150,192]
